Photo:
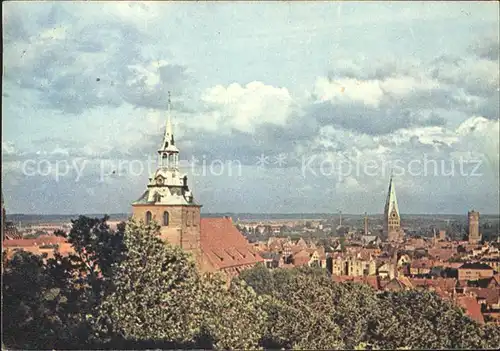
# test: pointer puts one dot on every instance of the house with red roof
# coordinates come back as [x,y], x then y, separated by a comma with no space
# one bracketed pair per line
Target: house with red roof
[471,308]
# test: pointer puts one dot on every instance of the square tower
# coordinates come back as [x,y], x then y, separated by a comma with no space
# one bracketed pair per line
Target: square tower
[474,235]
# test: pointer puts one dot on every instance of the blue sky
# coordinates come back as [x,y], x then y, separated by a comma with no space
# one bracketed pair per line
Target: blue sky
[295,99]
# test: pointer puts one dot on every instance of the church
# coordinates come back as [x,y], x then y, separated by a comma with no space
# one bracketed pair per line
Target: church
[215,243]
[392,220]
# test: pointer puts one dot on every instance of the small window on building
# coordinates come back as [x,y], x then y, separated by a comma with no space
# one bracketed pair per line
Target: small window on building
[165,218]
[187,219]
[148,217]
[194,218]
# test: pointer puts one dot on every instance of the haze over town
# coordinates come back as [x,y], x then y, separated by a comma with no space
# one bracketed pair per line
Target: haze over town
[268,87]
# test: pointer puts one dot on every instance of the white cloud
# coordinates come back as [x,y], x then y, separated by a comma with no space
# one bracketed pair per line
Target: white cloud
[245,107]
[348,90]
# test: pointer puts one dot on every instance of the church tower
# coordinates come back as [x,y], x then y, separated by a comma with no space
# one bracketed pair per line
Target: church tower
[392,225]
[168,200]
[474,235]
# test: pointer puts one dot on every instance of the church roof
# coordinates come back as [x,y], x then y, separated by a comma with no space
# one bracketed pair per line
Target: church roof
[224,246]
[391,202]
[172,199]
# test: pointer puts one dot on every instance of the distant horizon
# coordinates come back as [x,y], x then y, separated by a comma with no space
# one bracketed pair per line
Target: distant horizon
[335,214]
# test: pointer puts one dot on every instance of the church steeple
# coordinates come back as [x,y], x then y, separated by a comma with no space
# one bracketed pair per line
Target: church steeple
[391,203]
[167,185]
[168,152]
[392,226]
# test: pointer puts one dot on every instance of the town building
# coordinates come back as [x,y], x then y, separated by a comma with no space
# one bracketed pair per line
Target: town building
[45,245]
[215,243]
[352,266]
[474,271]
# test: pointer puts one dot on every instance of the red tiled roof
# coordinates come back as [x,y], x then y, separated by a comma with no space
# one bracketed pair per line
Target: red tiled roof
[422,264]
[442,254]
[471,307]
[224,246]
[373,282]
[300,261]
[445,284]
[41,240]
[455,265]
[398,283]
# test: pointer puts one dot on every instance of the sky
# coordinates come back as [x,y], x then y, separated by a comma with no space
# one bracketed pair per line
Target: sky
[279,107]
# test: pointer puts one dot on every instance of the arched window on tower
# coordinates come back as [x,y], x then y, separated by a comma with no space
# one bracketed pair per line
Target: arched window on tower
[148,217]
[165,218]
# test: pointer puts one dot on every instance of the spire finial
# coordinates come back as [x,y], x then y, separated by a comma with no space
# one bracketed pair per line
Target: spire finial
[169,121]
[169,102]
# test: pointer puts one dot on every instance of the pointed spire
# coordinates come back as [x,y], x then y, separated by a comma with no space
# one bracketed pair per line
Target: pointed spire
[392,202]
[168,129]
[168,138]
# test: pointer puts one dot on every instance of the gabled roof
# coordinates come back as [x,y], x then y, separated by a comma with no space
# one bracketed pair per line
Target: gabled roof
[41,240]
[301,243]
[302,253]
[269,255]
[445,284]
[399,283]
[224,246]
[442,254]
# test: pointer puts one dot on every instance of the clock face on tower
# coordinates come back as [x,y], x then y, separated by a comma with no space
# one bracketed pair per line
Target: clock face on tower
[159,180]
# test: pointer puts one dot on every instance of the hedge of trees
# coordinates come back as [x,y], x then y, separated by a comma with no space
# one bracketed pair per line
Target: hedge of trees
[126,289]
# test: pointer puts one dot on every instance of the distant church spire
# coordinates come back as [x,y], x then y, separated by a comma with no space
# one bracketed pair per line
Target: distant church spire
[392,202]
[392,226]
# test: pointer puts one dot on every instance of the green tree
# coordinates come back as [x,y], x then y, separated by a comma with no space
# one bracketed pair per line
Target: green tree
[259,278]
[232,318]
[154,294]
[298,314]
[158,299]
[423,320]
[24,302]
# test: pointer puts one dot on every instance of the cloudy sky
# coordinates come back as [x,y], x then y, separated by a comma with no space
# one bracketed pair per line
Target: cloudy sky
[288,107]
